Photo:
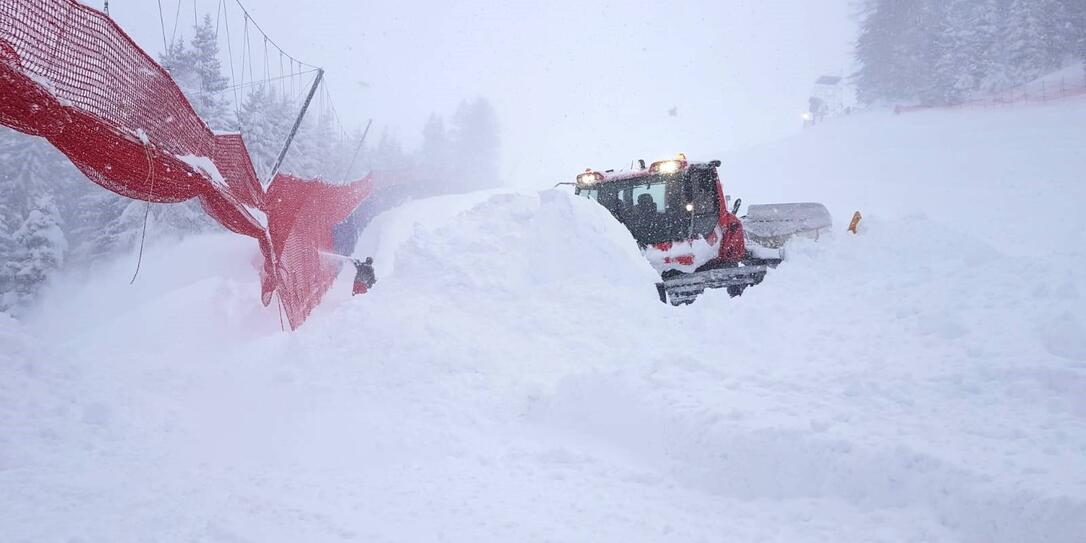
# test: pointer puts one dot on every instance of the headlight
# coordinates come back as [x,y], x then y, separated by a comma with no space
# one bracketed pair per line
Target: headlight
[589,178]
[669,166]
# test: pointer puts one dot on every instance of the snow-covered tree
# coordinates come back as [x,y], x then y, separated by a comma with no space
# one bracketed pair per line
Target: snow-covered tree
[197,70]
[313,154]
[968,45]
[1073,28]
[1027,39]
[40,243]
[992,21]
[388,154]
[435,153]
[12,213]
[32,242]
[264,121]
[210,101]
[434,158]
[475,145]
[343,152]
[179,61]
[943,51]
[95,228]
[898,50]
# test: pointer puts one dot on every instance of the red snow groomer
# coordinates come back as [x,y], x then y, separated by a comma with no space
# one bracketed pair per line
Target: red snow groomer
[679,215]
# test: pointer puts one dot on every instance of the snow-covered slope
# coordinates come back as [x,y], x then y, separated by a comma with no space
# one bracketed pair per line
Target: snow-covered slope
[513,376]
[1011,177]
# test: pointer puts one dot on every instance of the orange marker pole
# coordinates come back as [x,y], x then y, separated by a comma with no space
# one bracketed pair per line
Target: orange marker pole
[855,222]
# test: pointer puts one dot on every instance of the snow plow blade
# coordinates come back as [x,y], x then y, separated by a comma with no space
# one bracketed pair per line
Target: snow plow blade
[685,288]
[772,225]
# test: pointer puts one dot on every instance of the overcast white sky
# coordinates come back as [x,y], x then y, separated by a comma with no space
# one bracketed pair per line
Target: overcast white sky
[575,83]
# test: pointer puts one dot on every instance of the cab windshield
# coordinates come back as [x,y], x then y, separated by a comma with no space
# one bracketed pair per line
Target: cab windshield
[654,207]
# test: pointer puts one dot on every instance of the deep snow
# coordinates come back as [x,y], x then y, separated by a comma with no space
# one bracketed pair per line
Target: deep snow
[513,377]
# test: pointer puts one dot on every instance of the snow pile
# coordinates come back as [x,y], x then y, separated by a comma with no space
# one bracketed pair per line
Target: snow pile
[202,287]
[512,244]
[514,377]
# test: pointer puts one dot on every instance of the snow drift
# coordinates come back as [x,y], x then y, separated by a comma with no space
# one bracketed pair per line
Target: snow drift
[514,377]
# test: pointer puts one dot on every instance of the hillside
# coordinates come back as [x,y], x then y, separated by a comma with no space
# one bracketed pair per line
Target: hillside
[513,376]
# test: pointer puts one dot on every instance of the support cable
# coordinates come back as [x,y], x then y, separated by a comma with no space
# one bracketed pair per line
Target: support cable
[249,49]
[257,83]
[267,69]
[361,142]
[176,18]
[218,19]
[265,34]
[230,55]
[162,23]
[146,210]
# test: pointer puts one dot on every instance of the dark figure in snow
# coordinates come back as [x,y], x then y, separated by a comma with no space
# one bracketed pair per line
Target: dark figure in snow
[818,109]
[364,278]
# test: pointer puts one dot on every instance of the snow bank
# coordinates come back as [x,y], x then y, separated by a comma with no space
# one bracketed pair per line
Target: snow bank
[512,244]
[514,377]
[203,286]
[388,230]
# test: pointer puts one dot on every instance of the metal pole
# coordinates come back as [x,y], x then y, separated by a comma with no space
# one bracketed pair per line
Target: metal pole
[357,150]
[107,7]
[297,123]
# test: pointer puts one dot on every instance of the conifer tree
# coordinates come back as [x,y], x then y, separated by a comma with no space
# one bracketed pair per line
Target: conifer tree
[475,145]
[31,238]
[264,121]
[1028,50]
[209,100]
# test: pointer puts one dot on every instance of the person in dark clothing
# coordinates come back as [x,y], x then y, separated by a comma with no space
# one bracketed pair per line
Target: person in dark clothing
[645,208]
[615,207]
[364,277]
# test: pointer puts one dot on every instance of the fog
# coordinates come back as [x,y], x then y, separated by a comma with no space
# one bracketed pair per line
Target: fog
[575,83]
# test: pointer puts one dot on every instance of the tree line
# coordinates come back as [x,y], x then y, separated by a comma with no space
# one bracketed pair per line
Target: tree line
[942,52]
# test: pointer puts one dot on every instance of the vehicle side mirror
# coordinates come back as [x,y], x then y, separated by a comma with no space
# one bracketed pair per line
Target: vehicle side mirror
[735,207]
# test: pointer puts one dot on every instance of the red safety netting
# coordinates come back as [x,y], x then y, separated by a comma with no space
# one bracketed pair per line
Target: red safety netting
[301,215]
[70,74]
